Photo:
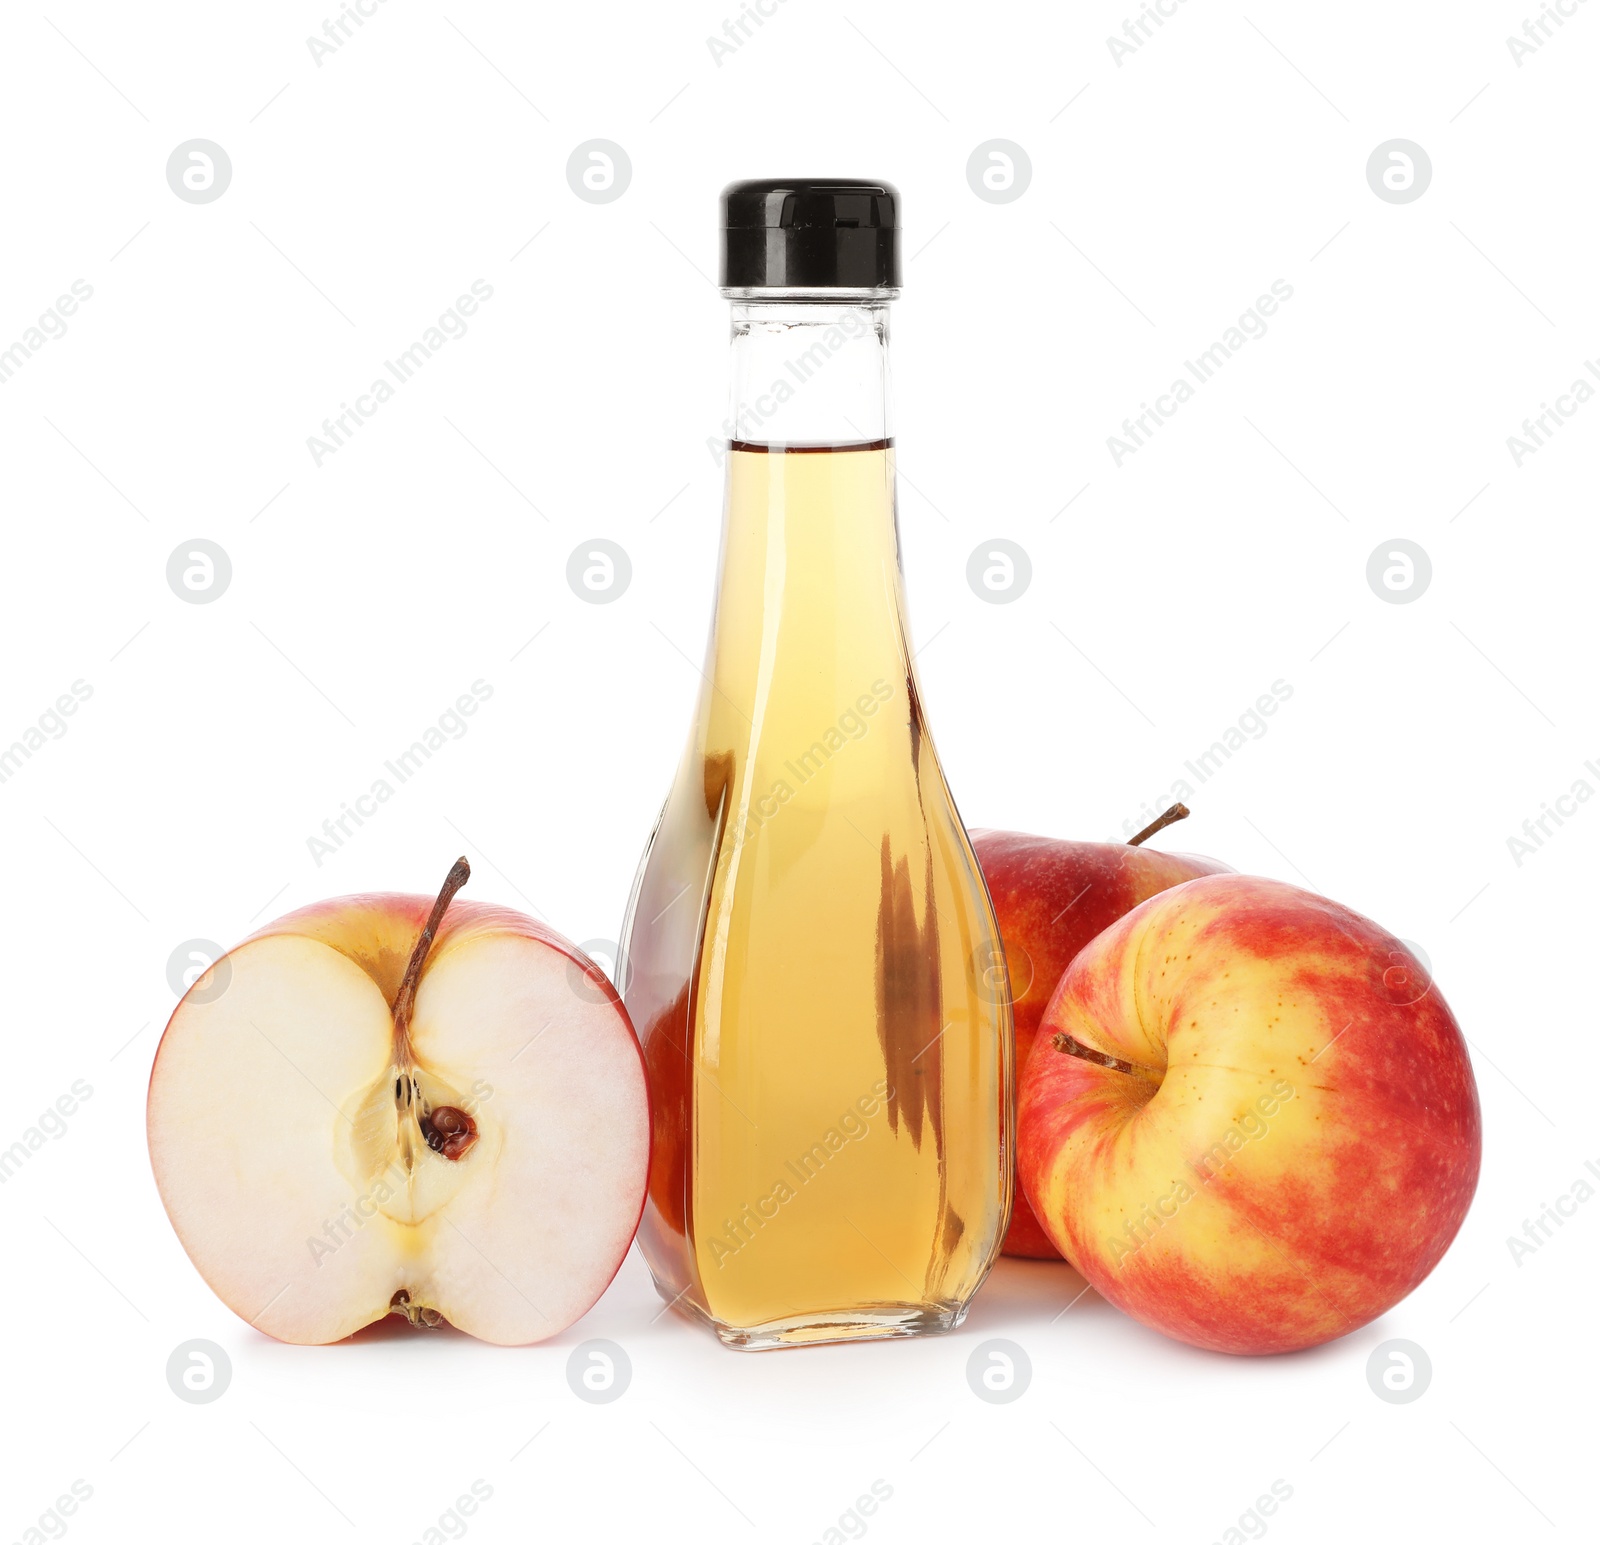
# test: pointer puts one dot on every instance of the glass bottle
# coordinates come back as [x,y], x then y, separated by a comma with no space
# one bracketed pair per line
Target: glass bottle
[811,951]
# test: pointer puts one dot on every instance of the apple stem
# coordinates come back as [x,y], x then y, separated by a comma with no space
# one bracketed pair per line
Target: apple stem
[1073,1047]
[1172,813]
[405,999]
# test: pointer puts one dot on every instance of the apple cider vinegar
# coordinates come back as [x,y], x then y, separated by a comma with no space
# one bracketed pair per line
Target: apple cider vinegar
[810,947]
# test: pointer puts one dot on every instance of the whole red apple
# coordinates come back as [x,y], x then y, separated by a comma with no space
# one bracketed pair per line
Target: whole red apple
[1051,898]
[1250,1120]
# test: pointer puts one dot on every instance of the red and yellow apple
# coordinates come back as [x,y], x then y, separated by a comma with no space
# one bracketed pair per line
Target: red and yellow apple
[389,1104]
[1050,899]
[1250,1120]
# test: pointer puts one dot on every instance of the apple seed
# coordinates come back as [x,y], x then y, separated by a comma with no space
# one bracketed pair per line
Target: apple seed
[449,1131]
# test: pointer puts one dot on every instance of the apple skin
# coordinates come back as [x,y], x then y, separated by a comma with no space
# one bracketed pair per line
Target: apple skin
[1313,1142]
[1051,898]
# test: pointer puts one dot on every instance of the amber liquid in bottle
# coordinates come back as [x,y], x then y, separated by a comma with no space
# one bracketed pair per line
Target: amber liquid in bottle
[810,943]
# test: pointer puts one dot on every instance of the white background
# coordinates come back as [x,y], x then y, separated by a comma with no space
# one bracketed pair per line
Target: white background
[1167,193]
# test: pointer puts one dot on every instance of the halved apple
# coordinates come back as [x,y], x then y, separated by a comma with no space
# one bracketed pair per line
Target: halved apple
[381,1104]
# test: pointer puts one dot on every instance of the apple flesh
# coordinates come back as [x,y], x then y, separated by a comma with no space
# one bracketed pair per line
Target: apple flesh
[375,1105]
[1051,898]
[1250,1120]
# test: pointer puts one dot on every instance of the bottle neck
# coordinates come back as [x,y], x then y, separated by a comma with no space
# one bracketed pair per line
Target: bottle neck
[810,371]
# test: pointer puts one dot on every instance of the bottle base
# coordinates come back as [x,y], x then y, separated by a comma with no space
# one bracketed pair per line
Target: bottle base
[860,1322]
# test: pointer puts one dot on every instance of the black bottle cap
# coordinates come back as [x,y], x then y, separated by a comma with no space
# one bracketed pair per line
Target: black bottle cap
[810,233]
